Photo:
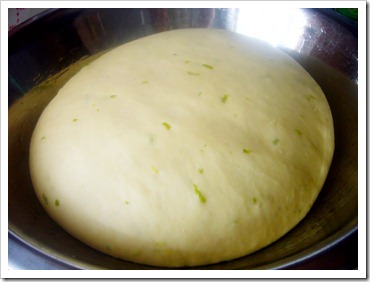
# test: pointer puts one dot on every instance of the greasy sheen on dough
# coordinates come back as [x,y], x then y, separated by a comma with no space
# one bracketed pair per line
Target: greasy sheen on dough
[183,148]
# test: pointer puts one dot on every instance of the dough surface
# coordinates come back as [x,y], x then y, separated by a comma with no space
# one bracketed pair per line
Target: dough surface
[183,148]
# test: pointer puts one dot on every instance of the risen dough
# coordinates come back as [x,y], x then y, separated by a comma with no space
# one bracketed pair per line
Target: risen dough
[183,148]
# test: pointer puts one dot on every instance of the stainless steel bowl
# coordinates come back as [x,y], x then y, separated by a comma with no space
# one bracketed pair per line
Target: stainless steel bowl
[57,43]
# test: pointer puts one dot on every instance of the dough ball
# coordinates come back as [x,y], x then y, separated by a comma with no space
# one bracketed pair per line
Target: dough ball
[183,148]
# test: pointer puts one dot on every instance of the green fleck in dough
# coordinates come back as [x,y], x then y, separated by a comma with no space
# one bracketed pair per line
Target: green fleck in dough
[298,132]
[208,66]
[202,150]
[127,202]
[246,151]
[43,138]
[224,98]
[112,96]
[45,199]
[254,201]
[154,169]
[74,120]
[56,203]
[310,98]
[275,141]
[313,146]
[201,170]
[200,195]
[151,139]
[193,73]
[187,61]
[166,125]
[145,82]
[94,105]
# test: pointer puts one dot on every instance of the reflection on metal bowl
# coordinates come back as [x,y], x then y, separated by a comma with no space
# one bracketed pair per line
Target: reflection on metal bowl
[57,43]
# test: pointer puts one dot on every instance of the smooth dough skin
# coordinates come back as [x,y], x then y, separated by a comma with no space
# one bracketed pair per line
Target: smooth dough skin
[183,148]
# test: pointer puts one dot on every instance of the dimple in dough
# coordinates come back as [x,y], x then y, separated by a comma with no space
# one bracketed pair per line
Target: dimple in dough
[183,148]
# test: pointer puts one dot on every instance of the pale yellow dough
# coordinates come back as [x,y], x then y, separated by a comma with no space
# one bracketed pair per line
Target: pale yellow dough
[183,148]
